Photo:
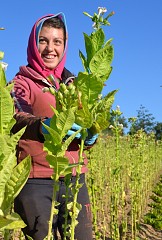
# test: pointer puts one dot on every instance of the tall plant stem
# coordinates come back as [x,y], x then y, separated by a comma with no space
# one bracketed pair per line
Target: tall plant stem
[74,208]
[55,188]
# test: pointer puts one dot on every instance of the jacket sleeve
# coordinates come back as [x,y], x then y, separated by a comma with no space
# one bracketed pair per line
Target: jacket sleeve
[32,124]
[23,113]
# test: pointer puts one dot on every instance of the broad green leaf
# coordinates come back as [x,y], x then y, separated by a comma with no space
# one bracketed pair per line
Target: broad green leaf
[7,165]
[89,48]
[16,182]
[98,39]
[2,77]
[10,222]
[90,86]
[101,61]
[64,122]
[6,109]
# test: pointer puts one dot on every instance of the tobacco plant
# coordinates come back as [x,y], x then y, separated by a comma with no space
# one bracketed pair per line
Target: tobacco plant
[12,176]
[82,103]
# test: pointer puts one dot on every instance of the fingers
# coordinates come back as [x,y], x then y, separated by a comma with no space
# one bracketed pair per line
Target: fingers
[75,127]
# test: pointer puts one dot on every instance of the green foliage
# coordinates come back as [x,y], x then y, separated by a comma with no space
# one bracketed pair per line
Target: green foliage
[97,66]
[158,131]
[144,120]
[12,176]
[81,102]
[122,173]
[154,216]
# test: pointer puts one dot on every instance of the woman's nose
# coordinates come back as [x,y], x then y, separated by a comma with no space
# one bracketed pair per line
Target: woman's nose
[50,47]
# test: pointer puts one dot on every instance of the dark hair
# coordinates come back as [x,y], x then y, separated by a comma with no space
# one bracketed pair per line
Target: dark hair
[55,22]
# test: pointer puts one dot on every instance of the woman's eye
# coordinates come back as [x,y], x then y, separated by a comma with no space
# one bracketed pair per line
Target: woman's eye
[58,42]
[41,40]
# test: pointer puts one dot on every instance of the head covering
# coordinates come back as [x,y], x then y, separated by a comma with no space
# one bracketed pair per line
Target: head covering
[33,56]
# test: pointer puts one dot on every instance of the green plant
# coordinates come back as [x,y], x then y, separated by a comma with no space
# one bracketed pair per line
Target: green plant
[82,103]
[12,176]
[154,216]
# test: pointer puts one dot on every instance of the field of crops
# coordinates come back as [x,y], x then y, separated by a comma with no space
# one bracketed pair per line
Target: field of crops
[123,172]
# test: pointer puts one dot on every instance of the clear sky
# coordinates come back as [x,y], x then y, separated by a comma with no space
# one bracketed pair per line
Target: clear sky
[136,29]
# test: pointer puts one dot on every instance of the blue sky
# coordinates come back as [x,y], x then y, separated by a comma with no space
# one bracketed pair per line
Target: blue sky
[136,29]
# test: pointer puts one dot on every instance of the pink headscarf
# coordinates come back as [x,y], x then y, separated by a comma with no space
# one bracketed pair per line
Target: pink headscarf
[33,56]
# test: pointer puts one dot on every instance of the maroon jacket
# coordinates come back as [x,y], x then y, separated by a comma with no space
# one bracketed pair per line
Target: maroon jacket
[32,105]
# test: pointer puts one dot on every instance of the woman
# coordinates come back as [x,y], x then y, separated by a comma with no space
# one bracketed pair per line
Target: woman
[46,54]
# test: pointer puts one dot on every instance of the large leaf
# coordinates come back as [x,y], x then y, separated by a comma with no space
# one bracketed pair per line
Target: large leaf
[7,165]
[64,121]
[10,222]
[101,61]
[16,182]
[6,110]
[98,39]
[90,86]
[89,47]
[2,74]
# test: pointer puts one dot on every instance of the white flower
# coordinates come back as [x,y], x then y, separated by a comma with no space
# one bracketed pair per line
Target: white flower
[120,125]
[101,10]
[4,65]
[94,26]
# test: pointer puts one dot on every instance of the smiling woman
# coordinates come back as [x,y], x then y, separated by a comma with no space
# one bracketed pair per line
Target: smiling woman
[51,46]
[46,55]
[51,41]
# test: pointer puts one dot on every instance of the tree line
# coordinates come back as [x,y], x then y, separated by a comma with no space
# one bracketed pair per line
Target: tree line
[144,120]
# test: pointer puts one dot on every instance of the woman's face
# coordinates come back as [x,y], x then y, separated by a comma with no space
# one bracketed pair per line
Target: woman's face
[51,46]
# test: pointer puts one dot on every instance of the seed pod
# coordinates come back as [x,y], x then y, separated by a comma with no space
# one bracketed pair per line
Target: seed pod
[62,87]
[71,88]
[52,90]
[66,92]
[64,108]
[72,91]
[60,96]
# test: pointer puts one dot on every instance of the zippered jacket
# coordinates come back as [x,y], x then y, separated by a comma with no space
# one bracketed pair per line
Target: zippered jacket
[32,105]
